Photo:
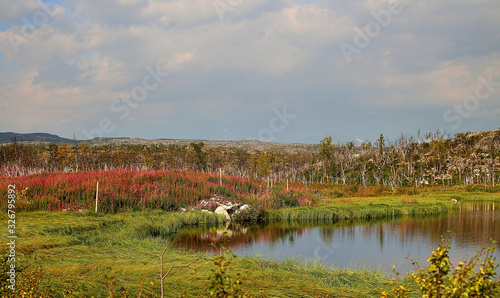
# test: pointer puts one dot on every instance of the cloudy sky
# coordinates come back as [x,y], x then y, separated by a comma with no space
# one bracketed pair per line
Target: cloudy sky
[280,70]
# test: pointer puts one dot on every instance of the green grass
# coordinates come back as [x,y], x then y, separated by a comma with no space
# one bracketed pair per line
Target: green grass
[78,250]
[366,208]
[352,212]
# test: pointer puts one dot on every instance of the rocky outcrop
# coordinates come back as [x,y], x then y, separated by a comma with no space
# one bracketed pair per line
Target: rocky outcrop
[223,210]
[224,207]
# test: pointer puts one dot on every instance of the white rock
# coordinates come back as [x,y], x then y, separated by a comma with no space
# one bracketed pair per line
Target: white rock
[225,207]
[245,207]
[222,210]
[206,211]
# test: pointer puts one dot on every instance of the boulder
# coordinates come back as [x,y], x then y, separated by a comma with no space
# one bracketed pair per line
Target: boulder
[245,207]
[225,207]
[222,210]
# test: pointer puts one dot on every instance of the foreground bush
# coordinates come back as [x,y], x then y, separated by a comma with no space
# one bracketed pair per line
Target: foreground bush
[220,283]
[438,279]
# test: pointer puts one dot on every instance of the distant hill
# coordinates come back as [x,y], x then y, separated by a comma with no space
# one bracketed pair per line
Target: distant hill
[480,139]
[7,137]
[251,145]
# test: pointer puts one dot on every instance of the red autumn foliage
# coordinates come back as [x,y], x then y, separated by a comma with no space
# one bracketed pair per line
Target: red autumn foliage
[124,190]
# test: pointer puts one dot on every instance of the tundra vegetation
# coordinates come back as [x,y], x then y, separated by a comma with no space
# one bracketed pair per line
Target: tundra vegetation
[66,249]
[464,159]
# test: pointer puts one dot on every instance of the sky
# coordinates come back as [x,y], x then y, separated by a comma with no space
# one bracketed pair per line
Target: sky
[280,70]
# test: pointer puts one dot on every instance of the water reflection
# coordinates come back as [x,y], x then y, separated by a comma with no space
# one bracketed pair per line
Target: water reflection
[240,234]
[358,243]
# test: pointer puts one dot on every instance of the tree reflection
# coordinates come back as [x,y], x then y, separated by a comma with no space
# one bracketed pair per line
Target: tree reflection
[472,224]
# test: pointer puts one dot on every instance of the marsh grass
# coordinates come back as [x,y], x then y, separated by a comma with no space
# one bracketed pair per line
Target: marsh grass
[319,280]
[353,212]
[77,250]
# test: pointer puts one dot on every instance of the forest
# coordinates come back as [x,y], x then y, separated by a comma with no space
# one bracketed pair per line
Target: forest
[433,159]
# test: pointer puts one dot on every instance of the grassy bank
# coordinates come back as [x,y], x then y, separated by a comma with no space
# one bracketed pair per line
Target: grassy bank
[89,254]
[377,207]
[81,252]
[353,212]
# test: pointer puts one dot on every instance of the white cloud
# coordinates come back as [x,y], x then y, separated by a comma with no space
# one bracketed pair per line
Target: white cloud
[287,51]
[176,62]
[183,13]
[14,11]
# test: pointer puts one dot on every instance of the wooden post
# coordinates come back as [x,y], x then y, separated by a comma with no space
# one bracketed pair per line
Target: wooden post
[485,185]
[220,176]
[96,196]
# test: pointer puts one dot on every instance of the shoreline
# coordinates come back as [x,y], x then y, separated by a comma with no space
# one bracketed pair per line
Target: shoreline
[70,243]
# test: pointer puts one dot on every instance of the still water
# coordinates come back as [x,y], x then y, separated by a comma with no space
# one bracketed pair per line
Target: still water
[375,244]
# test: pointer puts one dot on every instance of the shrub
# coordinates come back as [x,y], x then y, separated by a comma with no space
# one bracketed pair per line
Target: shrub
[250,214]
[220,283]
[29,279]
[406,191]
[285,199]
[407,200]
[438,279]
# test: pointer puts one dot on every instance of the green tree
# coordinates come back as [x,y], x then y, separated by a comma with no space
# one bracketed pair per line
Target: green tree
[327,155]
[201,163]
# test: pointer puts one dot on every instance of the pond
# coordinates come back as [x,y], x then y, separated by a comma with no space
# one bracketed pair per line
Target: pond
[357,244]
